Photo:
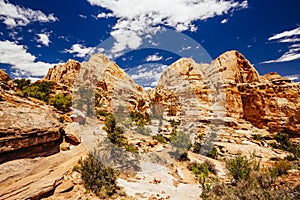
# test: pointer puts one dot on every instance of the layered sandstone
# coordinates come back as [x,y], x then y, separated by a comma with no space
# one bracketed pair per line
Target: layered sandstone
[112,87]
[27,129]
[231,89]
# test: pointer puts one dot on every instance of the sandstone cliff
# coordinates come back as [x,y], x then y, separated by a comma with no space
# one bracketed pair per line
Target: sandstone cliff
[233,85]
[106,80]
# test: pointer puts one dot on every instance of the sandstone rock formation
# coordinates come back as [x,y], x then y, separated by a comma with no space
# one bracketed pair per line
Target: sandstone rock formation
[233,85]
[103,78]
[27,129]
[227,98]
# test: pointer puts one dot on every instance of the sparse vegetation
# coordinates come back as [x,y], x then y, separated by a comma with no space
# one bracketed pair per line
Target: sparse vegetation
[160,138]
[116,134]
[284,143]
[206,167]
[213,153]
[279,168]
[97,177]
[61,102]
[182,143]
[240,167]
[139,118]
[248,183]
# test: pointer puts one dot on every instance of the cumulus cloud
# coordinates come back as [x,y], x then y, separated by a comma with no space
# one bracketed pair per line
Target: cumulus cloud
[292,37]
[146,75]
[104,15]
[13,15]
[153,58]
[21,60]
[80,50]
[44,38]
[137,18]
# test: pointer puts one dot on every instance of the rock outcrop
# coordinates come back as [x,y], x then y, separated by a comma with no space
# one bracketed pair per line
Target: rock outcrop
[229,87]
[27,129]
[103,78]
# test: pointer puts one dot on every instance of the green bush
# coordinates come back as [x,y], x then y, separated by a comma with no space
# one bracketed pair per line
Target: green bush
[40,90]
[61,102]
[160,138]
[97,177]
[213,153]
[280,168]
[285,144]
[258,185]
[206,167]
[143,130]
[139,118]
[181,140]
[21,83]
[116,134]
[239,167]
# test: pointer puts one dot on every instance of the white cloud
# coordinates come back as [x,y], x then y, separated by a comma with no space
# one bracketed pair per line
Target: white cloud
[21,60]
[292,54]
[295,77]
[291,36]
[289,40]
[286,34]
[82,16]
[154,57]
[147,75]
[14,15]
[80,50]
[104,15]
[186,48]
[224,21]
[44,38]
[137,18]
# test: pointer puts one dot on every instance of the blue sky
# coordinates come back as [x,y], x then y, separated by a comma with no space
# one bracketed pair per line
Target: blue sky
[36,35]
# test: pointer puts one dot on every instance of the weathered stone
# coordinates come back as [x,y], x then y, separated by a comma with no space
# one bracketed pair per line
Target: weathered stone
[72,132]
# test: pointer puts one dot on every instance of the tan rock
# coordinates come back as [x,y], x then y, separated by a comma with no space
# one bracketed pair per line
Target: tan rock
[72,132]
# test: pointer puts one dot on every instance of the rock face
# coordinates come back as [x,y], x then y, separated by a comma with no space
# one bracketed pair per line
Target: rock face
[27,129]
[103,78]
[64,73]
[233,85]
[4,80]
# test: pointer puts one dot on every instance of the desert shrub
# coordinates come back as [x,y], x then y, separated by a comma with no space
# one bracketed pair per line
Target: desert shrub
[213,153]
[181,140]
[139,118]
[284,143]
[206,167]
[182,143]
[97,177]
[279,168]
[160,138]
[283,139]
[39,90]
[21,83]
[102,113]
[239,167]
[116,134]
[174,123]
[61,102]
[258,185]
[257,137]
